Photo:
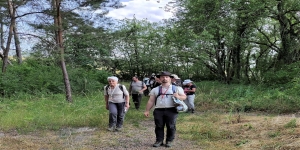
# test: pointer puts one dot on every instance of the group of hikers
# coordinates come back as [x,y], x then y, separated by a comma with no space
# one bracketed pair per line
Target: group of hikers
[161,91]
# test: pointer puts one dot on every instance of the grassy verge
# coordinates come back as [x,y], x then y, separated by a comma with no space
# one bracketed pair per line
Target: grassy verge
[224,117]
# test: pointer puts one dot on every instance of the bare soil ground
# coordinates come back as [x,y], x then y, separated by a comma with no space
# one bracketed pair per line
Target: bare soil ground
[250,132]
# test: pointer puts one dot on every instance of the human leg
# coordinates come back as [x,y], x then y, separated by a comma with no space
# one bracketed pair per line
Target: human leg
[120,114]
[112,115]
[139,99]
[186,101]
[171,116]
[159,124]
[191,102]
[135,100]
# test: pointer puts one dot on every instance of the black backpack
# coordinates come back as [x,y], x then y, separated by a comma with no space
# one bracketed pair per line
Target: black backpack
[120,86]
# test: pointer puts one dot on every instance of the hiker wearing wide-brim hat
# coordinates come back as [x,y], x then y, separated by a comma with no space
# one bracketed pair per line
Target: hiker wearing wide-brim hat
[189,89]
[165,112]
[164,73]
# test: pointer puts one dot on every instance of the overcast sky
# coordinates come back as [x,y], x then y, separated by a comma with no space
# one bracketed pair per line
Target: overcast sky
[142,9]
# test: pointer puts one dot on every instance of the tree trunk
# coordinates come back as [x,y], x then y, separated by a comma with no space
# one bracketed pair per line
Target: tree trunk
[17,44]
[10,34]
[59,40]
[2,41]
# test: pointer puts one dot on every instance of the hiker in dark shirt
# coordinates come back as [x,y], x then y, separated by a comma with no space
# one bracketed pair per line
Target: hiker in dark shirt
[189,89]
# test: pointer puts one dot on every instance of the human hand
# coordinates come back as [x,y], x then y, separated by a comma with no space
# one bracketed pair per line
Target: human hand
[127,105]
[146,113]
[176,95]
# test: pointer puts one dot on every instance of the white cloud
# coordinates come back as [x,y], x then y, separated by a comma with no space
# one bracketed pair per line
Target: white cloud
[151,10]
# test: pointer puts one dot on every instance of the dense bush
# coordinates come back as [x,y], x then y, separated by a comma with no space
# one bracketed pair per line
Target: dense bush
[45,77]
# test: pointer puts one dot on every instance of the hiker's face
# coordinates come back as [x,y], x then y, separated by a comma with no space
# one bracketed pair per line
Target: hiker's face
[165,79]
[134,79]
[112,82]
[173,79]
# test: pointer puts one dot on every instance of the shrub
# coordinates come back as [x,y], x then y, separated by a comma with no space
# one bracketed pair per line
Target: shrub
[45,77]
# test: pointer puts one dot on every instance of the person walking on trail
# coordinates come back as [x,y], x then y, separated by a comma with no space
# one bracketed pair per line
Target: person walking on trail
[136,89]
[176,80]
[117,100]
[165,113]
[189,89]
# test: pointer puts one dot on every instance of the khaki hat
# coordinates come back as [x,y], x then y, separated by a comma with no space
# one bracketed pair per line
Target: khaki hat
[175,76]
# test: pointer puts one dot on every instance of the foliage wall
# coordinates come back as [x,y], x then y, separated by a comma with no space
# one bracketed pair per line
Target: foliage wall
[36,77]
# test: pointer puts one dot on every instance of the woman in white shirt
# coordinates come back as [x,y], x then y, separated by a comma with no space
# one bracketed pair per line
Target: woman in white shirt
[117,100]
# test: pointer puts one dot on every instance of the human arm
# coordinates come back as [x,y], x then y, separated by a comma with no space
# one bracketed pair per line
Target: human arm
[143,88]
[106,101]
[191,89]
[127,96]
[127,101]
[179,94]
[149,105]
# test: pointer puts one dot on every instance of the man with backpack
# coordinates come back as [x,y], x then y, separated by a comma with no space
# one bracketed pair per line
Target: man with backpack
[137,88]
[165,112]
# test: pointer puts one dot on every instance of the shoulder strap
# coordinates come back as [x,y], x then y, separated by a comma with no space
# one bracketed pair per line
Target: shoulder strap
[174,88]
[106,89]
[160,92]
[121,88]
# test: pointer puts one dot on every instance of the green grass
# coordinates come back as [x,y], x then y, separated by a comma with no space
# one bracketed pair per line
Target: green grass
[53,112]
[28,113]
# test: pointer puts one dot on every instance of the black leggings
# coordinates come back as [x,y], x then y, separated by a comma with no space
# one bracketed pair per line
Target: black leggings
[136,98]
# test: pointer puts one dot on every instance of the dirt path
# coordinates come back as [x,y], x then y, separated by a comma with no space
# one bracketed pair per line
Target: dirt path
[252,132]
[133,138]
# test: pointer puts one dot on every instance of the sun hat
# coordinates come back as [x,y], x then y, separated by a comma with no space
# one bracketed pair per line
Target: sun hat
[164,73]
[175,76]
[187,81]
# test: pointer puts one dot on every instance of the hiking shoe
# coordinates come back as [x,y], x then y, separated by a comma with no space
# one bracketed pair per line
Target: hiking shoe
[110,128]
[168,143]
[193,110]
[119,129]
[158,144]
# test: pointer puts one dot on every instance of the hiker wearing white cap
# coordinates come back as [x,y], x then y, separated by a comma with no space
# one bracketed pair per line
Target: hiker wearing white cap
[117,100]
[176,80]
[189,89]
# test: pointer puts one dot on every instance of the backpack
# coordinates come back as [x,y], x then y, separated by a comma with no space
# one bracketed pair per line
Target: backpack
[120,86]
[160,92]
[180,105]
